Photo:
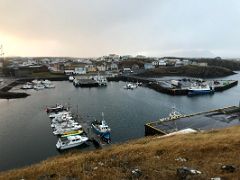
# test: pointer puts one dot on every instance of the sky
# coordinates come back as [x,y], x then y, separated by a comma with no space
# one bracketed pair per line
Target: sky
[92,28]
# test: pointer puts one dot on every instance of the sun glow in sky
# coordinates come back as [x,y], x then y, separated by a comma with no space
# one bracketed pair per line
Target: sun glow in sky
[87,28]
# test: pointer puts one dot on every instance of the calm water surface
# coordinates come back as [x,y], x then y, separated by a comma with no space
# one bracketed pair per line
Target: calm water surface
[26,136]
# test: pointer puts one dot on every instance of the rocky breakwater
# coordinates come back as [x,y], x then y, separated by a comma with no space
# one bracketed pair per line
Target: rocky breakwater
[6,86]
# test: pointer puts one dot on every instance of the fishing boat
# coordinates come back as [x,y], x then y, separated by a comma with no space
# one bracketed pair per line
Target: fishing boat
[70,142]
[59,114]
[61,130]
[174,114]
[72,133]
[102,129]
[38,87]
[57,108]
[27,86]
[200,90]
[70,78]
[101,80]
[48,86]
[35,81]
[130,86]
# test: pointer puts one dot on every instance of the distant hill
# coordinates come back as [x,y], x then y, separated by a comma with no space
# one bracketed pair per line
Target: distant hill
[190,71]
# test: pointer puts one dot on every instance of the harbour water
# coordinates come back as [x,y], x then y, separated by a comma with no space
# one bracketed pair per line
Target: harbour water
[26,136]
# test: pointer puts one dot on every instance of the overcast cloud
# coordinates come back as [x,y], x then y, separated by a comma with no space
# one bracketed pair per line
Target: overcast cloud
[87,28]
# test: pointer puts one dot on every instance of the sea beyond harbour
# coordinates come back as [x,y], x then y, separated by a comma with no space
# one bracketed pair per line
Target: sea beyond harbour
[26,136]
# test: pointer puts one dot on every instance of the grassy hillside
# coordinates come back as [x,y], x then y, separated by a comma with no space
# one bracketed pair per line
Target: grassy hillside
[154,157]
[190,71]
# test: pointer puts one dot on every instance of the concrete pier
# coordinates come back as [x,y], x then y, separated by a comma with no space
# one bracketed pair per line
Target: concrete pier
[212,119]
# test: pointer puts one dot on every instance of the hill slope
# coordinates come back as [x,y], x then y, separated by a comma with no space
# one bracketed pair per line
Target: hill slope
[154,157]
[190,71]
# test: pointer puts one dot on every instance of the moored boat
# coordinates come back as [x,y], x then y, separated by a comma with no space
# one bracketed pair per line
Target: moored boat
[70,78]
[102,129]
[130,86]
[101,80]
[72,133]
[57,108]
[200,90]
[27,86]
[70,142]
[61,130]
[38,87]
[49,86]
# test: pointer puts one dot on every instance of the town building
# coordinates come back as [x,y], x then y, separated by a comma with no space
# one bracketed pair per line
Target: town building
[148,66]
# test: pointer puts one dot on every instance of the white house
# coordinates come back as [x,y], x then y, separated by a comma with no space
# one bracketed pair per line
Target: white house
[162,63]
[178,63]
[114,66]
[101,67]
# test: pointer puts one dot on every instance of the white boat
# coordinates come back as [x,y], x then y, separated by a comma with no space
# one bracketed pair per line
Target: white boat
[173,115]
[139,84]
[59,114]
[70,142]
[130,86]
[46,82]
[35,81]
[60,127]
[101,80]
[64,124]
[56,109]
[49,86]
[71,78]
[38,87]
[61,130]
[27,86]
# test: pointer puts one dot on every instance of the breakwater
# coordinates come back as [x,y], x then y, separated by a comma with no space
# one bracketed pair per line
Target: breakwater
[156,85]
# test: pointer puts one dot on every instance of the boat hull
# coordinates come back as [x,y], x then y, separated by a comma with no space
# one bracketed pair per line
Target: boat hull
[106,136]
[199,92]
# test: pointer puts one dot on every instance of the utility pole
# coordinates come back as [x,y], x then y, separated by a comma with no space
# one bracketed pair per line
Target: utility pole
[1,51]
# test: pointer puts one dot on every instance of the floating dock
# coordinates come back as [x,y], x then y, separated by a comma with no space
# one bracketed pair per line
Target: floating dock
[218,118]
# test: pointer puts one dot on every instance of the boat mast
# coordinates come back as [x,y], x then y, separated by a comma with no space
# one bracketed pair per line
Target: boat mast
[102,116]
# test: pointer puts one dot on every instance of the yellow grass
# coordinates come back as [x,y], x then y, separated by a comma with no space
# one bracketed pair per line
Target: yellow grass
[154,156]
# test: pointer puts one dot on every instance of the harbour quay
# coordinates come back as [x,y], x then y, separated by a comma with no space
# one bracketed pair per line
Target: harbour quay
[213,119]
[183,86]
